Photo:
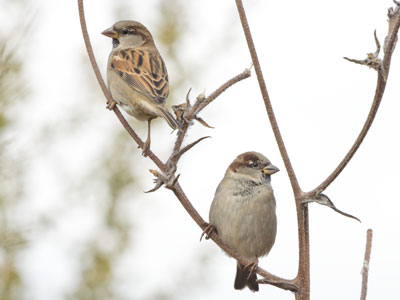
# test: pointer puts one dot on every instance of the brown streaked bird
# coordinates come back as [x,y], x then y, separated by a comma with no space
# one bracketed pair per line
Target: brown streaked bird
[136,74]
[243,212]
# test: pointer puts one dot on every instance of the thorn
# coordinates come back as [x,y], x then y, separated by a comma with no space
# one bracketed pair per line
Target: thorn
[158,185]
[188,147]
[202,122]
[176,179]
[159,180]
[170,185]
[378,46]
[324,200]
[187,97]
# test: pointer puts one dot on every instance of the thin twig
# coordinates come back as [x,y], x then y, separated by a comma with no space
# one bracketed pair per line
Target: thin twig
[188,147]
[390,42]
[245,74]
[365,267]
[201,103]
[267,101]
[303,276]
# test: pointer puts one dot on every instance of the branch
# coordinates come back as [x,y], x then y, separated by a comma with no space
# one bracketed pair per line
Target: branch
[372,61]
[267,101]
[302,279]
[186,112]
[365,267]
[245,74]
[390,42]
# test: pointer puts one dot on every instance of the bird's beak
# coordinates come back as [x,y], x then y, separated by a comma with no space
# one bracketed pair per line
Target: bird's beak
[270,169]
[110,32]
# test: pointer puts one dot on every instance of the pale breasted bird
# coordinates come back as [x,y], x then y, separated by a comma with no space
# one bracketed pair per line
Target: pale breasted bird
[243,212]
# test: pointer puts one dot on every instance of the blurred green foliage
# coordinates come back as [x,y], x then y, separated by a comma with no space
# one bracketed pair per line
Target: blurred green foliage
[171,26]
[99,258]
[12,238]
[11,88]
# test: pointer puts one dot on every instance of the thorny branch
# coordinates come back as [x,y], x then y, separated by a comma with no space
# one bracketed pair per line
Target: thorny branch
[390,43]
[267,101]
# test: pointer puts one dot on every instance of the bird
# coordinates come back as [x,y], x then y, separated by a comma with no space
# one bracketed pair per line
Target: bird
[243,212]
[137,76]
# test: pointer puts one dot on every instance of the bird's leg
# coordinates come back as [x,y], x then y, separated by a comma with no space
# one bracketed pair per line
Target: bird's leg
[208,230]
[252,267]
[146,145]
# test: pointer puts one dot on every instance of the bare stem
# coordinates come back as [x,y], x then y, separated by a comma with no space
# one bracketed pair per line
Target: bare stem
[245,74]
[390,42]
[201,103]
[365,267]
[267,101]
[303,275]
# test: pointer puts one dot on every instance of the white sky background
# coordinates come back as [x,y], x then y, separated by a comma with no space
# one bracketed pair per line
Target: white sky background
[320,101]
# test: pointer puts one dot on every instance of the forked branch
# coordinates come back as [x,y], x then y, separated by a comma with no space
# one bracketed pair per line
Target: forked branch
[390,43]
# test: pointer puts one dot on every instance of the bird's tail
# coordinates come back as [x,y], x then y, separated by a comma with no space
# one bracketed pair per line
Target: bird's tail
[169,118]
[243,278]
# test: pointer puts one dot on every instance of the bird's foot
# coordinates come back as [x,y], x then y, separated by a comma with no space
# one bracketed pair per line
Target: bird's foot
[111,105]
[252,267]
[145,148]
[208,230]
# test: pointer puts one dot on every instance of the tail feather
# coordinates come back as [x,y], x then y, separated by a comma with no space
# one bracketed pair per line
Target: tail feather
[244,278]
[169,118]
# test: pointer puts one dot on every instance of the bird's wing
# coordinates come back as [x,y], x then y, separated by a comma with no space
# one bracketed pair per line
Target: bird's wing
[143,70]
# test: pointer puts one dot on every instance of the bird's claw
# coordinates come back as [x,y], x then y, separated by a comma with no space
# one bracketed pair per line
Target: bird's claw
[252,267]
[207,231]
[145,148]
[111,105]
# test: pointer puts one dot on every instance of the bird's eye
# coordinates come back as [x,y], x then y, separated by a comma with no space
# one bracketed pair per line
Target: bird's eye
[252,164]
[125,31]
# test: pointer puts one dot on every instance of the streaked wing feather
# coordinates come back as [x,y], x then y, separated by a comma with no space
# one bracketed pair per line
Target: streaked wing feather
[144,70]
